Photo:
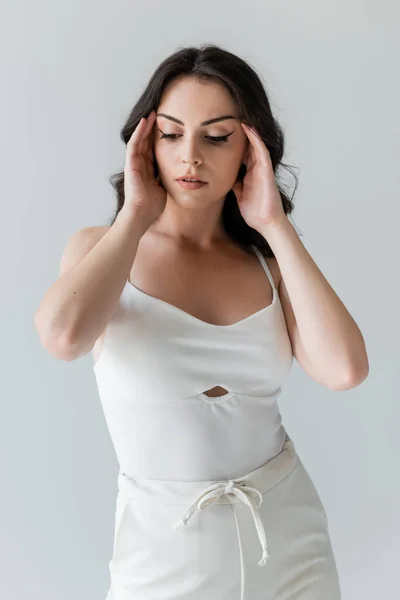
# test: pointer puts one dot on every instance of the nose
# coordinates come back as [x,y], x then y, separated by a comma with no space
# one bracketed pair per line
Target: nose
[190,154]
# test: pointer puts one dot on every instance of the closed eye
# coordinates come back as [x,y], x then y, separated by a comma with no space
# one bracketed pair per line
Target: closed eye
[214,139]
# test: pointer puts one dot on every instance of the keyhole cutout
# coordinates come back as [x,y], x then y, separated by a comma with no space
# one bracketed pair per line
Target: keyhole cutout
[216,391]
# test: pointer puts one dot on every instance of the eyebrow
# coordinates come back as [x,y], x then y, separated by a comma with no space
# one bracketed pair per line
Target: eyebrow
[203,124]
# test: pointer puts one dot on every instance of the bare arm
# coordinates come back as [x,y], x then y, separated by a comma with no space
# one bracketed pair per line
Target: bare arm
[326,340]
[77,307]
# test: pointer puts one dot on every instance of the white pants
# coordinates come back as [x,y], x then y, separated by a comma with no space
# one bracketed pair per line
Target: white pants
[263,536]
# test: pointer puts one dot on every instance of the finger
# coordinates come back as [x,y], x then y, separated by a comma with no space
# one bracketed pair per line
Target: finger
[250,139]
[132,145]
[257,146]
[148,136]
[249,157]
[251,130]
[145,138]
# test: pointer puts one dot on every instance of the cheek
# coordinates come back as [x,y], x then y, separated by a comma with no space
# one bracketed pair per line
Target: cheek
[234,161]
[163,157]
[158,151]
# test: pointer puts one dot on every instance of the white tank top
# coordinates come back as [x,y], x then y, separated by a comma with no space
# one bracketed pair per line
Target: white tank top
[155,364]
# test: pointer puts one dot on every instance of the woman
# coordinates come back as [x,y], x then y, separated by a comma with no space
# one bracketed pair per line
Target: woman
[193,332]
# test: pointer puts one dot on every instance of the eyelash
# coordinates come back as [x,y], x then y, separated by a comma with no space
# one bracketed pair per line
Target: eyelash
[216,140]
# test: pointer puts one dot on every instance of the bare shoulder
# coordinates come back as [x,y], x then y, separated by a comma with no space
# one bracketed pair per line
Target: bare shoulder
[96,231]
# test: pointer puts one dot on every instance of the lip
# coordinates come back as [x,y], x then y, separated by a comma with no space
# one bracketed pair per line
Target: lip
[191,177]
[187,185]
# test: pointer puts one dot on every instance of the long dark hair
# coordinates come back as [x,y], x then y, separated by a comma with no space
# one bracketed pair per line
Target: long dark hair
[212,63]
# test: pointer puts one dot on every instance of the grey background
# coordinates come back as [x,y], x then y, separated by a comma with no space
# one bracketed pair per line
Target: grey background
[70,73]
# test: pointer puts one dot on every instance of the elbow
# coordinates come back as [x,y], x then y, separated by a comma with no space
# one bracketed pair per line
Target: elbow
[59,346]
[351,379]
[64,350]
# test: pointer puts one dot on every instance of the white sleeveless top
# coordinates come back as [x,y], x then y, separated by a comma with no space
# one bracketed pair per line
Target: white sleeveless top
[155,364]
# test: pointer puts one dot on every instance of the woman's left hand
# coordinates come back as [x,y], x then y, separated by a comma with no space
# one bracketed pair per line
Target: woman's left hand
[258,196]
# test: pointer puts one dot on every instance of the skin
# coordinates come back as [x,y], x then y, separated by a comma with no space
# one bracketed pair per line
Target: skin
[188,261]
[188,236]
[191,218]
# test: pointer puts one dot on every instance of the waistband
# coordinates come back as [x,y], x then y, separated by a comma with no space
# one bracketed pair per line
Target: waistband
[200,494]
[157,491]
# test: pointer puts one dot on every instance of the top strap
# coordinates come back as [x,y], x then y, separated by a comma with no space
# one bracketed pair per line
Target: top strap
[265,266]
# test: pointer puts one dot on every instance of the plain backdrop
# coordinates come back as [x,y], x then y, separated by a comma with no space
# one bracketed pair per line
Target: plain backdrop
[70,73]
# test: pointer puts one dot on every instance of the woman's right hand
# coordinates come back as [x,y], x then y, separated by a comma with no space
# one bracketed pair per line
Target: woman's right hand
[142,191]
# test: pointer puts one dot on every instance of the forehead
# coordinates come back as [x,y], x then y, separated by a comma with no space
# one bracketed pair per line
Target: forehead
[193,99]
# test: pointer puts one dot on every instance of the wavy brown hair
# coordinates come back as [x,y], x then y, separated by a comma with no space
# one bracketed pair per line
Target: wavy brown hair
[213,63]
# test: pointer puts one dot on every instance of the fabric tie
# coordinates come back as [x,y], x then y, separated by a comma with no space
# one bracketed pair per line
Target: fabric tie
[239,489]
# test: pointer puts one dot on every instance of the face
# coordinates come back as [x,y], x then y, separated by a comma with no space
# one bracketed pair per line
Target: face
[192,149]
